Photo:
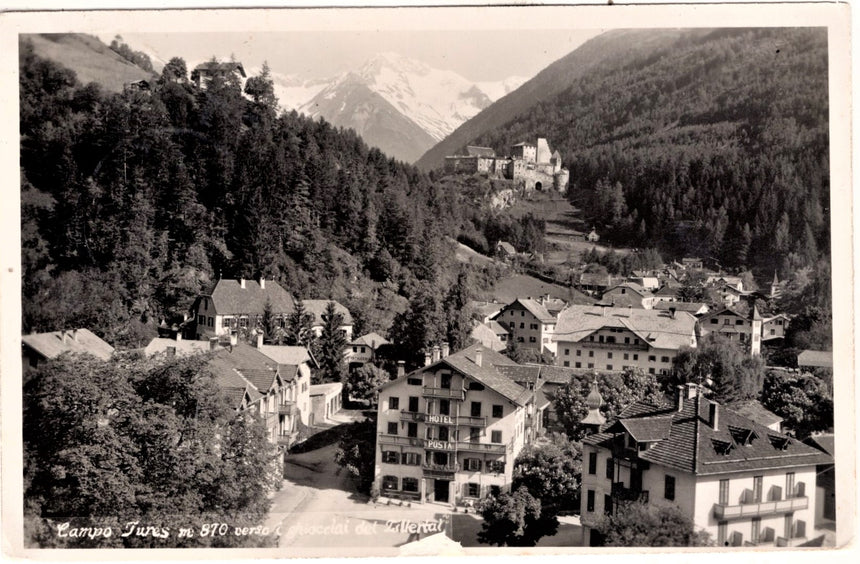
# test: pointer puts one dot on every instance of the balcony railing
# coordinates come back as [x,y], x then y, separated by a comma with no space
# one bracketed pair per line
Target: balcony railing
[399,440]
[482,447]
[412,416]
[621,493]
[760,509]
[287,438]
[287,408]
[448,420]
[433,467]
[445,393]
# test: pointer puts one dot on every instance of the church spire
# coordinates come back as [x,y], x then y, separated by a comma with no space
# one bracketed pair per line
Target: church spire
[594,419]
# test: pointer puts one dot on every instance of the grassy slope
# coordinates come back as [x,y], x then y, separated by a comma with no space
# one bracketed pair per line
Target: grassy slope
[91,59]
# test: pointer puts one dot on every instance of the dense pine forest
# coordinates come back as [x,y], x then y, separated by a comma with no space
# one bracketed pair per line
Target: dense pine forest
[133,203]
[715,145]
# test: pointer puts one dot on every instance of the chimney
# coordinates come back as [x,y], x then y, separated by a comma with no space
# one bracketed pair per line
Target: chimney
[242,283]
[178,336]
[672,312]
[428,358]
[714,416]
[437,353]
[262,283]
[446,349]
[479,356]
[64,337]
[679,397]
[259,340]
[75,335]
[401,368]
[692,389]
[213,343]
[171,351]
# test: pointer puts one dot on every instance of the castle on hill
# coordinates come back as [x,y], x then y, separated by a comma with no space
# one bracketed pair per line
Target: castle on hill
[532,166]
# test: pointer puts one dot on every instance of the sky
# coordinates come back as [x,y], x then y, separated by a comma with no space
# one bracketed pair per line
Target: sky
[478,55]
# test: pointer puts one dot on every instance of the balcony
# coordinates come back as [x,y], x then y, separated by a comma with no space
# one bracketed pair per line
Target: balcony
[760,509]
[482,447]
[287,408]
[444,393]
[441,468]
[470,421]
[399,440]
[619,492]
[412,416]
[287,438]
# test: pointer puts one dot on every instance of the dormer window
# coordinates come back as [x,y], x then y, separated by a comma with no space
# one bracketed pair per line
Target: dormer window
[779,443]
[722,447]
[742,436]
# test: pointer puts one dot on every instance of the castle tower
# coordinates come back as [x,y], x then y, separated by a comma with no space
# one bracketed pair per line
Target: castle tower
[544,154]
[775,290]
[755,337]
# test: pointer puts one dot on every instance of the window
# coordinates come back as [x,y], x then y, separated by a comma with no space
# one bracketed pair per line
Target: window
[591,365]
[472,464]
[476,409]
[393,403]
[522,325]
[609,367]
[443,433]
[755,533]
[498,410]
[651,371]
[652,358]
[520,340]
[739,322]
[389,457]
[590,354]
[609,355]
[495,491]
[474,434]
[600,338]
[566,352]
[757,487]
[496,437]
[773,331]
[522,314]
[669,488]
[607,504]
[411,458]
[722,533]
[724,492]
[444,407]
[664,359]
[610,468]
[389,482]
[496,466]
[714,321]
[626,340]
[473,490]
[363,350]
[206,304]
[211,322]
[412,430]
[413,404]
[789,485]
[532,339]
[446,381]
[533,326]
[225,322]
[410,484]
[635,357]
[626,356]
[567,363]
[414,381]
[578,352]
[440,458]
[592,463]
[589,501]
[201,320]
[355,349]
[578,365]
[392,428]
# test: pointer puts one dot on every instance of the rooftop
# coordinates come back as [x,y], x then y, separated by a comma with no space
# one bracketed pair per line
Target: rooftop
[229,297]
[371,340]
[55,343]
[657,329]
[318,307]
[818,359]
[161,345]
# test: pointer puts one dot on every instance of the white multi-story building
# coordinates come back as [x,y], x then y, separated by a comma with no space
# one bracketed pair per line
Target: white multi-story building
[449,432]
[745,484]
[612,339]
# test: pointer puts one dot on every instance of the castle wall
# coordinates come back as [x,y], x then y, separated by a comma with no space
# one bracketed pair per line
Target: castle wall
[543,152]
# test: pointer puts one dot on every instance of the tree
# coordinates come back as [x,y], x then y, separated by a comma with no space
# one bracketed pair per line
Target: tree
[804,402]
[551,472]
[364,382]
[458,312]
[106,443]
[175,71]
[514,519]
[729,374]
[356,452]
[331,345]
[640,524]
[299,330]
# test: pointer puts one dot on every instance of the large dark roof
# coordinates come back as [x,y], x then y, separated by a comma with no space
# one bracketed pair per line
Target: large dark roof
[229,297]
[693,445]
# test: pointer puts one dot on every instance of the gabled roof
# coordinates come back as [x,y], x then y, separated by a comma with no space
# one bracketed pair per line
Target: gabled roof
[245,360]
[487,373]
[553,305]
[754,410]
[497,327]
[486,309]
[667,290]
[53,344]
[824,442]
[214,66]
[482,333]
[692,445]
[821,359]
[657,329]
[524,144]
[229,297]
[508,248]
[535,308]
[317,308]
[528,373]
[595,279]
[630,286]
[690,307]
[160,345]
[326,389]
[644,429]
[724,311]
[370,340]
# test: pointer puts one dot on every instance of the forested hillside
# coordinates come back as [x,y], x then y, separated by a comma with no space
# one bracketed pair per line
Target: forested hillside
[133,203]
[715,144]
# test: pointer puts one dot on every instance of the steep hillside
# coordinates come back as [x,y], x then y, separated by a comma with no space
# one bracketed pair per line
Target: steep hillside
[611,48]
[92,60]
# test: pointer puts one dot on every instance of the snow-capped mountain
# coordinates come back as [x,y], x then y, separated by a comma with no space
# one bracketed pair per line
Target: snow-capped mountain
[392,98]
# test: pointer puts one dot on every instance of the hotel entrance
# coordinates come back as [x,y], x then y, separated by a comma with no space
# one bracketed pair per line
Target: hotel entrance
[441,490]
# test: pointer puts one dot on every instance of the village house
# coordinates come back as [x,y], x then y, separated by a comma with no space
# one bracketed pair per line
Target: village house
[592,236]
[629,294]
[774,326]
[180,346]
[505,251]
[529,322]
[647,281]
[317,309]
[596,282]
[325,402]
[668,292]
[485,311]
[734,326]
[36,348]
[203,73]
[745,484]
[449,432]
[693,263]
[612,339]
[693,308]
[492,335]
[360,351]
[825,481]
[233,305]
